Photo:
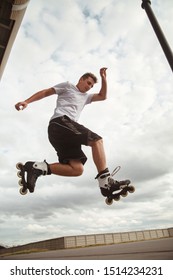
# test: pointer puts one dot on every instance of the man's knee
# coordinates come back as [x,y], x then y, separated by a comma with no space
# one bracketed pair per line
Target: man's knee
[77,168]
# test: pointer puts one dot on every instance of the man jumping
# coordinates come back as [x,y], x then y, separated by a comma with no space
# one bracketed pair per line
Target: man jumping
[67,136]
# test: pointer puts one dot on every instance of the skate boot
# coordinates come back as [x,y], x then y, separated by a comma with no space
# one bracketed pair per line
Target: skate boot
[29,173]
[113,189]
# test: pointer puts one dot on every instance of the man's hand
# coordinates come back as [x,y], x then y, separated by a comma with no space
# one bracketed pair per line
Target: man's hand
[21,105]
[103,72]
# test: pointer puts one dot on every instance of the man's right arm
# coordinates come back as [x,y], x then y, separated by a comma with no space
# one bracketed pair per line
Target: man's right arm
[35,97]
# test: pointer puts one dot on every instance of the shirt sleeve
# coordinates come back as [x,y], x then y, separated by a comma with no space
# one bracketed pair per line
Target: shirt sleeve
[89,99]
[59,88]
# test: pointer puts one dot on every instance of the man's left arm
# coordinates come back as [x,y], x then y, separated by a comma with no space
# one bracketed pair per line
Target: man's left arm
[102,95]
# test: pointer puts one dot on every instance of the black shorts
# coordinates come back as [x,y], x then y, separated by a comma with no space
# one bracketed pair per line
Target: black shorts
[67,136]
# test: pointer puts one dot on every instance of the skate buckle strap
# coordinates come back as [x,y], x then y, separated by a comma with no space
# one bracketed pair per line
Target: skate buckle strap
[104,175]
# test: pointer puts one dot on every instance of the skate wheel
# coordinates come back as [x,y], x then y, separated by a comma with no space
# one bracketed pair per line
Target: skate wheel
[20,182]
[19,165]
[19,174]
[132,189]
[108,201]
[117,198]
[124,194]
[22,192]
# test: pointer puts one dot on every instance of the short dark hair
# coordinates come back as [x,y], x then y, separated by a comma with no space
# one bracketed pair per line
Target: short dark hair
[88,74]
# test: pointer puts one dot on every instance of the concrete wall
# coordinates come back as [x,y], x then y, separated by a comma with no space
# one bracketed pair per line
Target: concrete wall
[113,238]
[51,244]
[170,230]
[91,240]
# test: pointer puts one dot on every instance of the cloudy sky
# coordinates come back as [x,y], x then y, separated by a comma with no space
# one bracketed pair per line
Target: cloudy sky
[60,42]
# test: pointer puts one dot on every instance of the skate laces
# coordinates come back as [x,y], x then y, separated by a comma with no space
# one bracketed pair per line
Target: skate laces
[111,180]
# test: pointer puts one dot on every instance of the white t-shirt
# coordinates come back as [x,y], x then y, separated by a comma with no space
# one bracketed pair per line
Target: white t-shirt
[70,101]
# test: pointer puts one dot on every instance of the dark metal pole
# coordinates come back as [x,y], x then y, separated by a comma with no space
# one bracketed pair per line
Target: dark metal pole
[146,4]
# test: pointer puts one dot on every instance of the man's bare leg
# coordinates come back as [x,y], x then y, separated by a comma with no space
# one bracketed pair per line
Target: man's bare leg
[99,159]
[98,154]
[73,168]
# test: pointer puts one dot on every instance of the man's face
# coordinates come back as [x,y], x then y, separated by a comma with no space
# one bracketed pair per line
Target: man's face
[85,85]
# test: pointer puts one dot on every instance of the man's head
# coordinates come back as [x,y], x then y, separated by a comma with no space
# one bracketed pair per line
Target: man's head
[86,82]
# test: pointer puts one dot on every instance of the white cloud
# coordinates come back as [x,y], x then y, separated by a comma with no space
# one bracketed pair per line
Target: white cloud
[60,42]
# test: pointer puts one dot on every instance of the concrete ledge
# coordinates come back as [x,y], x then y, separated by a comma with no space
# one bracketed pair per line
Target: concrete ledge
[170,231]
[90,240]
